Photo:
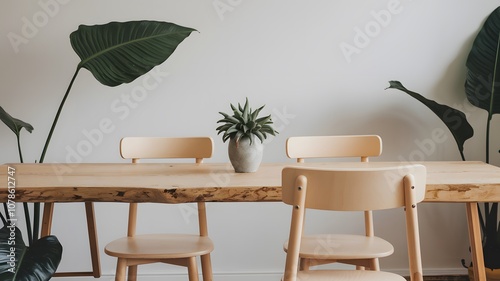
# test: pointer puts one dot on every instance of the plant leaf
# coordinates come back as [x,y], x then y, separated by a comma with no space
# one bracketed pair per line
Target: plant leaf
[246,111]
[481,64]
[264,120]
[117,53]
[260,135]
[14,124]
[454,119]
[38,262]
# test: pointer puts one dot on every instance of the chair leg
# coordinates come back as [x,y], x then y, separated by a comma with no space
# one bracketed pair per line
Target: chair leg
[192,269]
[374,265]
[206,267]
[94,247]
[132,273]
[121,269]
[304,264]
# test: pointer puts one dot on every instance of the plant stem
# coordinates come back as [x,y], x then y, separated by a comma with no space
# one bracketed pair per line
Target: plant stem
[42,157]
[25,204]
[36,212]
[36,220]
[28,223]
[488,139]
[19,148]
[4,221]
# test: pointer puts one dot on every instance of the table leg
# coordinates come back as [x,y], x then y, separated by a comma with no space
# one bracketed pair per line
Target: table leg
[475,241]
[48,211]
[92,230]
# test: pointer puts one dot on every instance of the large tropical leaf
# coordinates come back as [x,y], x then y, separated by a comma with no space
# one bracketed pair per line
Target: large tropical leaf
[21,263]
[117,53]
[482,87]
[454,119]
[13,123]
[482,65]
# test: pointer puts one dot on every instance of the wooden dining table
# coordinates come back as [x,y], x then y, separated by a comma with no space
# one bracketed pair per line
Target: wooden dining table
[467,182]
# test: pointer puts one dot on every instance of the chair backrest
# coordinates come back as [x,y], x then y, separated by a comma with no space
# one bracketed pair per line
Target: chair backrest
[159,147]
[354,189]
[359,189]
[136,148]
[363,146]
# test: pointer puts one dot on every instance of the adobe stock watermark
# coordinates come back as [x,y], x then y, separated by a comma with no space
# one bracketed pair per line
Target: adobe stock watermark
[363,35]
[11,218]
[426,147]
[222,7]
[121,109]
[32,25]
[281,119]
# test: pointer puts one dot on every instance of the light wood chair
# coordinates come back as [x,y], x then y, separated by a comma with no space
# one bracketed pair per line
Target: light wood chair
[353,190]
[354,146]
[176,249]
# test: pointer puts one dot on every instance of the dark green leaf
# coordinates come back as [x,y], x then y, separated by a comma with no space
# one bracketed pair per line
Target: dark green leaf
[14,124]
[246,111]
[117,53]
[255,114]
[38,262]
[454,119]
[232,130]
[222,128]
[228,119]
[264,120]
[268,130]
[482,63]
[251,124]
[260,135]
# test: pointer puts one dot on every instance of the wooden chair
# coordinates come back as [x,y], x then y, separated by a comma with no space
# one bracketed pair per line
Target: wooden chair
[176,249]
[356,146]
[352,189]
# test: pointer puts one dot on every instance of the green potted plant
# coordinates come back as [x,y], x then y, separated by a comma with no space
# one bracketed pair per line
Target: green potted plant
[246,133]
[115,53]
[480,88]
[37,258]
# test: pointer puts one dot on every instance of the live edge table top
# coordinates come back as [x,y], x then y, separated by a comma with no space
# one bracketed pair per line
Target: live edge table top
[447,181]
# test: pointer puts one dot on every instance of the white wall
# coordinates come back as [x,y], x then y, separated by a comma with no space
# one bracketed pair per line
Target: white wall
[285,54]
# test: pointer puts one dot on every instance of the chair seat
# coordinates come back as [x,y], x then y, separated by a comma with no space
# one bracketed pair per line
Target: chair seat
[160,246]
[343,246]
[347,275]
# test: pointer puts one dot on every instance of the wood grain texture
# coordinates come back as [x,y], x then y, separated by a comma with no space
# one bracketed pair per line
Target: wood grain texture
[459,181]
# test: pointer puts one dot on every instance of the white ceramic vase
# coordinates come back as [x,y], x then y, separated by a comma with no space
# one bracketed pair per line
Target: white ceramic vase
[245,157]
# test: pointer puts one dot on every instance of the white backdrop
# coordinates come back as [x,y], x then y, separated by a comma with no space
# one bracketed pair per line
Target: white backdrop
[320,67]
